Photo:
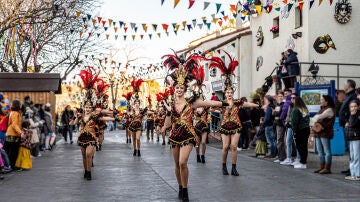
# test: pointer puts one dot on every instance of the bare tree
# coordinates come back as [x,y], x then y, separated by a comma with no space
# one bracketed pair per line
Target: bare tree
[54,44]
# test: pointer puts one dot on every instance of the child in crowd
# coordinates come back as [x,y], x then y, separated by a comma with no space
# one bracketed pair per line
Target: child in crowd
[23,160]
[5,168]
[353,136]
[261,144]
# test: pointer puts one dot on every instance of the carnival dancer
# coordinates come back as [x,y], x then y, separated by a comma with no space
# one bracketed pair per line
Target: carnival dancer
[202,130]
[180,113]
[150,116]
[127,117]
[89,119]
[137,115]
[102,103]
[230,125]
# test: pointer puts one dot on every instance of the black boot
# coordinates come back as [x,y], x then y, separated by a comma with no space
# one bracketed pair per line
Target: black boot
[198,158]
[127,141]
[185,195]
[180,192]
[138,152]
[134,154]
[158,139]
[89,175]
[234,171]
[100,145]
[202,158]
[130,140]
[224,169]
[85,174]
[163,142]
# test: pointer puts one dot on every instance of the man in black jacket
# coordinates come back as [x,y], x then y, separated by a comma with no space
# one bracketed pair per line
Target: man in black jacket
[344,112]
[66,116]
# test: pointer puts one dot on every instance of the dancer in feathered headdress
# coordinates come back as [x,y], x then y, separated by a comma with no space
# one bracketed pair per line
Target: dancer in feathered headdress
[230,125]
[127,116]
[150,119]
[90,118]
[184,78]
[137,114]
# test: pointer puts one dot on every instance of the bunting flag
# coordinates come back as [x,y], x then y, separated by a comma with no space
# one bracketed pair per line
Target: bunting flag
[218,6]
[85,26]
[220,23]
[165,27]
[200,26]
[125,29]
[98,35]
[233,8]
[285,2]
[277,9]
[105,28]
[84,19]
[81,33]
[141,36]
[176,3]
[189,27]
[175,31]
[289,7]
[110,22]
[331,1]
[177,26]
[132,25]
[162,2]
[78,13]
[184,24]
[116,37]
[167,33]
[233,45]
[107,36]
[301,4]
[115,29]
[114,23]
[194,22]
[150,35]
[226,18]
[191,3]
[269,8]
[320,1]
[99,19]
[258,9]
[154,26]
[144,27]
[222,13]
[125,37]
[311,3]
[135,29]
[121,23]
[208,25]
[103,22]
[93,22]
[206,5]
[159,34]
[133,36]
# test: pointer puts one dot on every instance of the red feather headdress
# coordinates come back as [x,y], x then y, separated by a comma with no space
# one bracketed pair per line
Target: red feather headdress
[159,97]
[128,96]
[89,77]
[149,99]
[136,84]
[227,71]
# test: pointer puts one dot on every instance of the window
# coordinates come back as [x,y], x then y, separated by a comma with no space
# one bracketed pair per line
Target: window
[276,23]
[298,18]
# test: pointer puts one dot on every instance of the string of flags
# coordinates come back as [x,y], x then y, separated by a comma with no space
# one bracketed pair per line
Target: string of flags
[206,4]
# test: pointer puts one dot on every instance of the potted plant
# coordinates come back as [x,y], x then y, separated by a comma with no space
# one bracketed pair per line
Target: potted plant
[275,29]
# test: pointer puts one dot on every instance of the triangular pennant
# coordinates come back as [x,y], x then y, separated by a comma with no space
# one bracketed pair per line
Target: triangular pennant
[105,28]
[154,26]
[125,37]
[135,29]
[133,36]
[222,13]
[144,27]
[269,8]
[93,22]
[150,35]
[189,27]
[116,37]
[176,3]
[110,22]
[114,23]
[289,7]
[206,4]
[191,3]
[235,15]
[208,25]
[84,19]
[220,23]
[81,33]
[78,13]
[159,34]
[301,4]
[89,34]
[99,19]
[320,1]
[103,22]
[246,7]
[125,29]
[167,33]
[175,31]
[141,36]
[165,27]
[218,51]
[85,26]
[132,25]
[226,18]
[194,22]
[177,27]
[258,9]
[277,9]
[107,36]
[243,18]
[184,24]
[72,31]
[205,21]
[218,6]
[121,23]
[233,8]
[212,16]
[162,2]
[232,21]
[331,1]
[98,35]
[215,20]
[233,45]
[200,26]
[285,2]
[115,29]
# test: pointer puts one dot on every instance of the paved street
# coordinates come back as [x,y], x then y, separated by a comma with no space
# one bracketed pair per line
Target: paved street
[118,176]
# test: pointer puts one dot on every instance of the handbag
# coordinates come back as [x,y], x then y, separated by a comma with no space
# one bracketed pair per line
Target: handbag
[284,70]
[317,128]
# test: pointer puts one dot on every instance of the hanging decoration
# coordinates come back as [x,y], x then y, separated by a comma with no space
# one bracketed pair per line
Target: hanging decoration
[323,43]
[259,37]
[259,62]
[290,44]
[343,11]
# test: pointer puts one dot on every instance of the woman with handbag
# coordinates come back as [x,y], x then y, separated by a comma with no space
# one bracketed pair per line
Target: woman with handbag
[323,133]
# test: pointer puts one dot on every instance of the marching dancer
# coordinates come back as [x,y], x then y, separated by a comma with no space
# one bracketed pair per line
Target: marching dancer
[180,114]
[127,117]
[230,125]
[201,129]
[150,121]
[88,120]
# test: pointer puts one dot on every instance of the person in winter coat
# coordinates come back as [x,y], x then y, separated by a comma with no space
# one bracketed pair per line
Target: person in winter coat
[50,135]
[293,70]
[34,125]
[269,118]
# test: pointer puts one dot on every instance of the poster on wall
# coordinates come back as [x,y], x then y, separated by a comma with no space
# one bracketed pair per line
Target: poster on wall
[312,97]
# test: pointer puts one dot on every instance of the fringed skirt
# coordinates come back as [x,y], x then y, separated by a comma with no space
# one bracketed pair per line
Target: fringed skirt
[86,139]
[200,128]
[181,135]
[230,128]
[135,126]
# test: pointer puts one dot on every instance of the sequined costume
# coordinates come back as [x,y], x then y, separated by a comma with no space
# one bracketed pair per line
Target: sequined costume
[160,119]
[136,121]
[100,127]
[182,131]
[87,133]
[201,125]
[231,122]
[150,118]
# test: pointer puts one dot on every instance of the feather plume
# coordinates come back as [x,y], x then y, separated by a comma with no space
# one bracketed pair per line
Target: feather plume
[199,75]
[89,78]
[127,96]
[149,99]
[217,62]
[159,97]
[102,86]
[136,84]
